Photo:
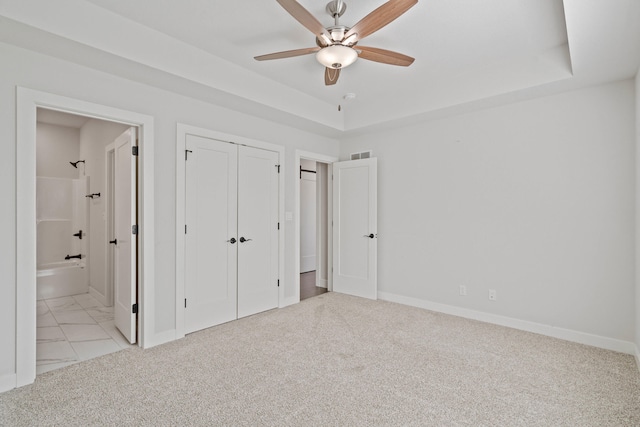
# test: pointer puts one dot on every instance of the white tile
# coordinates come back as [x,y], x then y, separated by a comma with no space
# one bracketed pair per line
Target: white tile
[41,308]
[55,352]
[46,319]
[102,314]
[41,369]
[115,334]
[84,332]
[89,349]
[49,334]
[87,301]
[63,304]
[73,317]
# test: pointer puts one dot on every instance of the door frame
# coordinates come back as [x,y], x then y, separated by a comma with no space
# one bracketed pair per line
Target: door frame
[329,160]
[28,101]
[182,131]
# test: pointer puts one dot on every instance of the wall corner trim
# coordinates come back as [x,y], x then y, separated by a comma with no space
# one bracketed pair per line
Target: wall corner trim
[606,343]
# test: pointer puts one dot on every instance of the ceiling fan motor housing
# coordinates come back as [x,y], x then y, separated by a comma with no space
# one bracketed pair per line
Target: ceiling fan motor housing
[332,8]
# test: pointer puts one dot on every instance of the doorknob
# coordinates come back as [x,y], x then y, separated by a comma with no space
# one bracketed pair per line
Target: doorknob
[242,240]
[232,240]
[113,242]
[371,236]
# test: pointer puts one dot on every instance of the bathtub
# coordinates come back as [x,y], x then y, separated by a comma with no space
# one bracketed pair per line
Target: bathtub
[61,279]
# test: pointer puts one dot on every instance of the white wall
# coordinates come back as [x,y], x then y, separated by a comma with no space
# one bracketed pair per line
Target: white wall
[534,199]
[95,135]
[56,146]
[24,68]
[637,189]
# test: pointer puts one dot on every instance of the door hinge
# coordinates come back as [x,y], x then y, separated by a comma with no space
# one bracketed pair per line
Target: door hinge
[185,229]
[185,303]
[134,150]
[186,153]
[278,282]
[278,166]
[278,226]
[134,229]
[134,308]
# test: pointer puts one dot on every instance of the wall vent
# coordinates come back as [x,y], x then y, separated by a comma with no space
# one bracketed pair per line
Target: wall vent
[362,155]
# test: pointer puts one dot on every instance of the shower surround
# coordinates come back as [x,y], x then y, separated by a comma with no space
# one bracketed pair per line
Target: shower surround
[62,234]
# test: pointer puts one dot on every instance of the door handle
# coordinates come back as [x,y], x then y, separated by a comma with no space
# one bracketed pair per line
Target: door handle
[113,242]
[242,240]
[232,240]
[371,236]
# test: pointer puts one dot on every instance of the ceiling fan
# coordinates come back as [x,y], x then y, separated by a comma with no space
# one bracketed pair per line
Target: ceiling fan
[336,45]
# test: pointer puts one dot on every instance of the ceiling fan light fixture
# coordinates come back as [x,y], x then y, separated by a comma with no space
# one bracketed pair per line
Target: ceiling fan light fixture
[351,40]
[336,56]
[337,33]
[327,41]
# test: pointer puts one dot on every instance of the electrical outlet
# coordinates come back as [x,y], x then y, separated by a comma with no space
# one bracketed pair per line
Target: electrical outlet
[492,294]
[463,290]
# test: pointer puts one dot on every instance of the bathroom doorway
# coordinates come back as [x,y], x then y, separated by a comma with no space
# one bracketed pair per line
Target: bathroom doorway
[75,199]
[28,101]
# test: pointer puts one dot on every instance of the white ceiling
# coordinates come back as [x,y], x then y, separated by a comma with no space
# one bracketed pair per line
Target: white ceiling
[468,52]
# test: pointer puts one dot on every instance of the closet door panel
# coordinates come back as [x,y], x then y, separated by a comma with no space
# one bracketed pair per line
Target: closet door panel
[211,216]
[258,225]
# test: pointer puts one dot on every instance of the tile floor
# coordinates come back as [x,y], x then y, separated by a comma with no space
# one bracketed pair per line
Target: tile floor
[73,329]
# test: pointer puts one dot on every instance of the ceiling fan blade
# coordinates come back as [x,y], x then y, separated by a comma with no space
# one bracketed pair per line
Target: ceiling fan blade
[304,17]
[384,56]
[287,54]
[331,76]
[380,17]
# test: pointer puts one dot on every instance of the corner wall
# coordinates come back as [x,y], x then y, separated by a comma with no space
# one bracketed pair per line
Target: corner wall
[24,68]
[534,200]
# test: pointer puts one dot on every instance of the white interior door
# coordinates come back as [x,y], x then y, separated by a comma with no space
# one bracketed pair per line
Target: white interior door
[355,228]
[211,246]
[257,231]
[125,283]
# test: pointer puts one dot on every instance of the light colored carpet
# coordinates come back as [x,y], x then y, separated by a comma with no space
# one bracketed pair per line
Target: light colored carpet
[336,360]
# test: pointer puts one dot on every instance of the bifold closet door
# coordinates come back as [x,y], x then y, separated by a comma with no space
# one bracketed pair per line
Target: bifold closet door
[211,216]
[257,230]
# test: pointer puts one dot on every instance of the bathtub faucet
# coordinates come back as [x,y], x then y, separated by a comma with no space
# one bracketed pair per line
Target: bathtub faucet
[79,256]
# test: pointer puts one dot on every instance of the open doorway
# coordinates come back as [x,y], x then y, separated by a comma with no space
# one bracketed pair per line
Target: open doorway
[313,228]
[28,102]
[75,200]
[313,225]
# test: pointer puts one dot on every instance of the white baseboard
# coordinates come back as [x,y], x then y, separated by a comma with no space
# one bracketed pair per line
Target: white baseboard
[637,357]
[7,382]
[289,301]
[524,325]
[97,295]
[160,338]
[322,283]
